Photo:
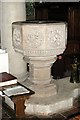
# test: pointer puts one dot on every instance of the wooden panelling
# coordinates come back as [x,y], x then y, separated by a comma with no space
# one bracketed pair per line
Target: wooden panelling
[69,12]
[74,23]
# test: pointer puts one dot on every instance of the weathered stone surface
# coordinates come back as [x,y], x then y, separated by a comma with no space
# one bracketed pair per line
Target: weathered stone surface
[40,43]
[39,39]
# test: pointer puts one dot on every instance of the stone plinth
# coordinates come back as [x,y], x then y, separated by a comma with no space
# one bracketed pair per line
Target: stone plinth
[63,100]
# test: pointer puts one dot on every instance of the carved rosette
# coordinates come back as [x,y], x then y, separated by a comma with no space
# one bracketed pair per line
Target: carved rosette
[55,36]
[34,38]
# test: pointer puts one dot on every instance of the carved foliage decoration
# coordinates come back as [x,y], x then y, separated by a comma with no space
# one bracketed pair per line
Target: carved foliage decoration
[17,36]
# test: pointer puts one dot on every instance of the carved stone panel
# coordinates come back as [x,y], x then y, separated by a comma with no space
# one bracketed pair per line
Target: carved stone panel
[55,36]
[17,38]
[35,39]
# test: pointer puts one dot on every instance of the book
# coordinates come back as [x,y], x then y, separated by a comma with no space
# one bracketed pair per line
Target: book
[4,62]
[15,93]
[7,79]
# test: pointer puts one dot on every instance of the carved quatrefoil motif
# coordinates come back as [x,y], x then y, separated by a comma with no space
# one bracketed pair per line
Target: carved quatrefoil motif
[34,38]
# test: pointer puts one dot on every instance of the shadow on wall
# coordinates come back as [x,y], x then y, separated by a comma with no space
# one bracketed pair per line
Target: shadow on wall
[0,39]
